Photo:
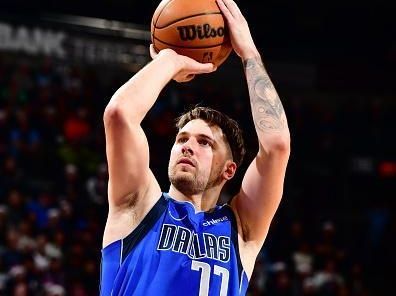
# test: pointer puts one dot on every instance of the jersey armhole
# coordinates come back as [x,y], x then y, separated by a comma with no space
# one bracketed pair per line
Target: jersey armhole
[235,241]
[130,241]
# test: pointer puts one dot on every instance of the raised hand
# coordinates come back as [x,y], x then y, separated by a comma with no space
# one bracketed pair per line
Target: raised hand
[187,67]
[241,39]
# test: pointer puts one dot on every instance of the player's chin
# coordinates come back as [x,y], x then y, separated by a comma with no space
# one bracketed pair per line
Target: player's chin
[183,174]
[186,183]
[183,167]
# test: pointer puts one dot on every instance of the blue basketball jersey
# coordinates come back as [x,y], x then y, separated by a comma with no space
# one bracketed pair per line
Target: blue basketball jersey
[176,251]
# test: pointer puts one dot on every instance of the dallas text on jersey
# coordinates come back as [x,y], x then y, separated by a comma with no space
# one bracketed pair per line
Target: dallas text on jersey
[195,245]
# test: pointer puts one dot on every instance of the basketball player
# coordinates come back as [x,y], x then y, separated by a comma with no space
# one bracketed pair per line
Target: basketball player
[180,242]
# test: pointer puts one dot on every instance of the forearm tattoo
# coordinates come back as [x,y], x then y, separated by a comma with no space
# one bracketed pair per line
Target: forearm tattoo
[267,109]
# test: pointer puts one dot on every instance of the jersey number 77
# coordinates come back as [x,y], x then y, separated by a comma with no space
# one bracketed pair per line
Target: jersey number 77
[205,277]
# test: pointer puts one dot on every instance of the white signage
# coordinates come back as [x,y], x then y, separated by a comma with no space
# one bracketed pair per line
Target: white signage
[32,41]
[89,48]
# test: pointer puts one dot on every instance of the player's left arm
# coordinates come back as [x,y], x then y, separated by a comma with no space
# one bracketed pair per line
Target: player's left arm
[262,186]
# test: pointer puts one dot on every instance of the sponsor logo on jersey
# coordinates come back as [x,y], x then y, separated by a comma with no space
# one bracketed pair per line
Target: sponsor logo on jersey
[214,221]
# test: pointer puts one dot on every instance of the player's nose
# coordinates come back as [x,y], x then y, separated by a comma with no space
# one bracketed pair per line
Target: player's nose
[186,149]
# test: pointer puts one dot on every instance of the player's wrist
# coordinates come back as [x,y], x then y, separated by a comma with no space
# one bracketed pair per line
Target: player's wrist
[250,54]
[172,59]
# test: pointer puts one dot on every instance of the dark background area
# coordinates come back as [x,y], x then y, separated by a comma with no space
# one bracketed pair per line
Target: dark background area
[333,64]
[352,40]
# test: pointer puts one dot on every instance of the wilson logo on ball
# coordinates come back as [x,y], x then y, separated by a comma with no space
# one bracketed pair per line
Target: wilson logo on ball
[205,31]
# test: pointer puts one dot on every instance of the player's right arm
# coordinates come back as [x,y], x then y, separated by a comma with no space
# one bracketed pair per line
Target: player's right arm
[132,188]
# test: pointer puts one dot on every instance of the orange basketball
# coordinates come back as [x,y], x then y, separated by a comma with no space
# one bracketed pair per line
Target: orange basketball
[195,28]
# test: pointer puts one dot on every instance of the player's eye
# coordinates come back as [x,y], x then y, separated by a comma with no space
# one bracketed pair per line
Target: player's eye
[204,142]
[181,140]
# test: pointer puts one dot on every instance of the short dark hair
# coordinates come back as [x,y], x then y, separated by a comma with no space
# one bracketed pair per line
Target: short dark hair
[229,126]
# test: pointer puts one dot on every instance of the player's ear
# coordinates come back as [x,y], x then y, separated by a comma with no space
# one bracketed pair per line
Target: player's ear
[230,169]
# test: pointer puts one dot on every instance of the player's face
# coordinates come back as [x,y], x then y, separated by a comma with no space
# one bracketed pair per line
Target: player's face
[197,158]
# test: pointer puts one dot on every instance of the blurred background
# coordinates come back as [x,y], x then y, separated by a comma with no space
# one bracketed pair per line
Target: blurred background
[333,64]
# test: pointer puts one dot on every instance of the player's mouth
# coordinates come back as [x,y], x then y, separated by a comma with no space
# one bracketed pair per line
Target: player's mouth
[186,160]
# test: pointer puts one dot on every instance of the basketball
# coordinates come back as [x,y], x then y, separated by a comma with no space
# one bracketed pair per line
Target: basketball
[194,28]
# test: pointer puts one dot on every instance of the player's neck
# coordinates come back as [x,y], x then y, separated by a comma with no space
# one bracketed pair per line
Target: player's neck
[202,202]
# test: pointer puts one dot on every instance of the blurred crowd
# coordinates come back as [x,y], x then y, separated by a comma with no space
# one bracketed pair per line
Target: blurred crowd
[332,234]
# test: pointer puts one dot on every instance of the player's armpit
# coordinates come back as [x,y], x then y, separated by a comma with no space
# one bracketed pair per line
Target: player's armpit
[260,194]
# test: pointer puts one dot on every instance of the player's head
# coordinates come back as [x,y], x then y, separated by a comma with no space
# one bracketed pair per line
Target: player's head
[207,150]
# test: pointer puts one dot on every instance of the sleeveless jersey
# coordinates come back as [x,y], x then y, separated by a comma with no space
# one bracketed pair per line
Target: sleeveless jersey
[176,251]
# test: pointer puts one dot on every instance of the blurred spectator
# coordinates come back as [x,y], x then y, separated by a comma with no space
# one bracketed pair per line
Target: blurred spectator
[97,186]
